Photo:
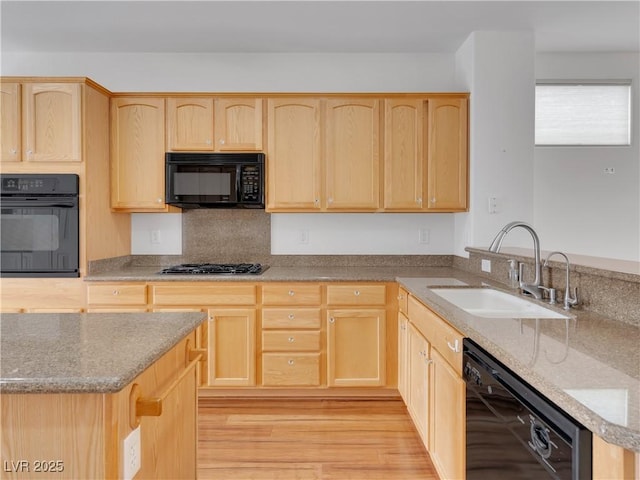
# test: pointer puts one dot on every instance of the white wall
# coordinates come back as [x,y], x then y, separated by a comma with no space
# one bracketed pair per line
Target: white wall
[578,207]
[498,69]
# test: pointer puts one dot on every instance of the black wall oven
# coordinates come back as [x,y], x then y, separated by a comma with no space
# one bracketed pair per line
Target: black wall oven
[39,226]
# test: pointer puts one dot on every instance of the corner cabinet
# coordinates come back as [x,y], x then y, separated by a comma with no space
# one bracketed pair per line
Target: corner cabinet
[137,154]
[41,122]
[447,154]
[436,388]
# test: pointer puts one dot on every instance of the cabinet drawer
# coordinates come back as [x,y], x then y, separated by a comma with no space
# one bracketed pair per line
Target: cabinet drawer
[273,318]
[290,341]
[291,294]
[117,294]
[206,295]
[354,294]
[300,369]
[442,336]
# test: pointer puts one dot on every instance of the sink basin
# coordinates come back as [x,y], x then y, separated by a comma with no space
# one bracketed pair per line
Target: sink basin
[486,302]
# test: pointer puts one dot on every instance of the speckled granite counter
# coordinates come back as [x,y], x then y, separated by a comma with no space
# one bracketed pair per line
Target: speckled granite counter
[86,353]
[587,365]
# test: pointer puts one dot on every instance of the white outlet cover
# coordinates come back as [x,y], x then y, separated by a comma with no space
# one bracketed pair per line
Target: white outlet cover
[485,265]
[132,451]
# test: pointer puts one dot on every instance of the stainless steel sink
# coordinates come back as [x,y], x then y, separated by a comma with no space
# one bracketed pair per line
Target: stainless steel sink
[490,303]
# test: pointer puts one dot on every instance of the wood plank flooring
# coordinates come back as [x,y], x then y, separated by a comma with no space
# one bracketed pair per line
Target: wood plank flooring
[309,439]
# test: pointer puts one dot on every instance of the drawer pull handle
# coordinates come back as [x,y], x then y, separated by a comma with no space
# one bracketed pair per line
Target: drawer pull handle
[116,292]
[454,347]
[140,406]
[291,339]
[291,316]
[290,362]
[357,293]
[291,293]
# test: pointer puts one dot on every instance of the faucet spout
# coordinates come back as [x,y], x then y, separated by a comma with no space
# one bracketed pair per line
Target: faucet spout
[569,300]
[532,288]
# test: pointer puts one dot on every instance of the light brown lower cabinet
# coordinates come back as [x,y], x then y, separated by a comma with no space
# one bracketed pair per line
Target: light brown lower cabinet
[81,435]
[403,357]
[419,375]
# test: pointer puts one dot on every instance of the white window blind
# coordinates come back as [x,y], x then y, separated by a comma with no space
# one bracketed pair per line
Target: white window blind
[583,114]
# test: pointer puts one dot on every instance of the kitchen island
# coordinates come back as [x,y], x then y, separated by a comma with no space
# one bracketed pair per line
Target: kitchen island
[74,386]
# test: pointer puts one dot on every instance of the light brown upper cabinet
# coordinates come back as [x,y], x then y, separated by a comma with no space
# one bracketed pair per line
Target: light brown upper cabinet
[208,124]
[352,158]
[137,154]
[447,154]
[404,156]
[10,117]
[190,124]
[400,153]
[46,118]
[294,154]
[238,124]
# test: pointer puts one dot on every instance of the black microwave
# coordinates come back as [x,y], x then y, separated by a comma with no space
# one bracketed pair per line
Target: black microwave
[214,180]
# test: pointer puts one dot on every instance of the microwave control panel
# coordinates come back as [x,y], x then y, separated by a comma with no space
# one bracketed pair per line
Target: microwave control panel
[250,181]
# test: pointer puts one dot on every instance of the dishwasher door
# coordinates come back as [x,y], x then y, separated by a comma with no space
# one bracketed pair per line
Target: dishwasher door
[514,433]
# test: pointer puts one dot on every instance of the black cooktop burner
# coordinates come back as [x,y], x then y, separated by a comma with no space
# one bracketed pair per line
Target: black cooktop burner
[215,269]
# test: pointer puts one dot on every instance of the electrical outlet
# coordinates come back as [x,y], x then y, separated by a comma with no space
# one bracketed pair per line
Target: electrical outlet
[610,170]
[303,236]
[423,236]
[485,265]
[493,205]
[155,237]
[132,450]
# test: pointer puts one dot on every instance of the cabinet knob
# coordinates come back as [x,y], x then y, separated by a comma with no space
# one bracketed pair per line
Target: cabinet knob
[29,152]
[317,201]
[290,362]
[291,316]
[428,361]
[330,200]
[400,297]
[433,199]
[332,320]
[116,292]
[158,200]
[291,339]
[356,293]
[454,347]
[291,293]
[208,142]
[419,200]
[221,141]
[14,151]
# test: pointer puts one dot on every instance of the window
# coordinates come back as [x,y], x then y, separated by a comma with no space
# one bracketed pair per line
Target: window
[583,113]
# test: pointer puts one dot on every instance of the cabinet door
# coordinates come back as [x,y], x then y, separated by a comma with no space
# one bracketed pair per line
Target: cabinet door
[293,155]
[403,357]
[448,421]
[419,373]
[232,347]
[447,156]
[352,154]
[404,156]
[10,122]
[238,124]
[137,150]
[52,115]
[190,124]
[356,347]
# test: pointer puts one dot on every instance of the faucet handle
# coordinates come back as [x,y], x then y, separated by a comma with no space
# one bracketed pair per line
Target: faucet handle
[573,299]
[552,294]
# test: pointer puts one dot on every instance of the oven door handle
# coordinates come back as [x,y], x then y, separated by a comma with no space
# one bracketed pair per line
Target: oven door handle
[8,203]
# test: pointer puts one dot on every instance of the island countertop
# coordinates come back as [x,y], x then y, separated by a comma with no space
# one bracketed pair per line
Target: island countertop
[85,352]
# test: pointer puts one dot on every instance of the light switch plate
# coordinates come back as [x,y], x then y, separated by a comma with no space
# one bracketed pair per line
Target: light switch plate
[132,451]
[485,265]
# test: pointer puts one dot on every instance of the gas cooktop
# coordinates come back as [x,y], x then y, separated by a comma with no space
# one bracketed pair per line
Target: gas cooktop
[215,269]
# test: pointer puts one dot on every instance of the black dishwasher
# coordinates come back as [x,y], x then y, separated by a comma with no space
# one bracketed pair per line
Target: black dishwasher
[513,432]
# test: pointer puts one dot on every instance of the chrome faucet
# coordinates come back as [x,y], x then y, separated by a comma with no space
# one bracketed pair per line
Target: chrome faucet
[532,288]
[569,300]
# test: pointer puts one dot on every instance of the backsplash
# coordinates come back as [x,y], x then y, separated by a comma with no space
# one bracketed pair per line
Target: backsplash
[612,294]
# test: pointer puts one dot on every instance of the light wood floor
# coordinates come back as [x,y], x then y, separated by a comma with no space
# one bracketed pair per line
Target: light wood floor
[309,439]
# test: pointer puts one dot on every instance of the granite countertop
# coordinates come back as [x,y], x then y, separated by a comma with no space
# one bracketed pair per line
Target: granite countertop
[85,352]
[587,365]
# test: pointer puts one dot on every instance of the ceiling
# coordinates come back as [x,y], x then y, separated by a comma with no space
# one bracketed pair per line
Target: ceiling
[307,26]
